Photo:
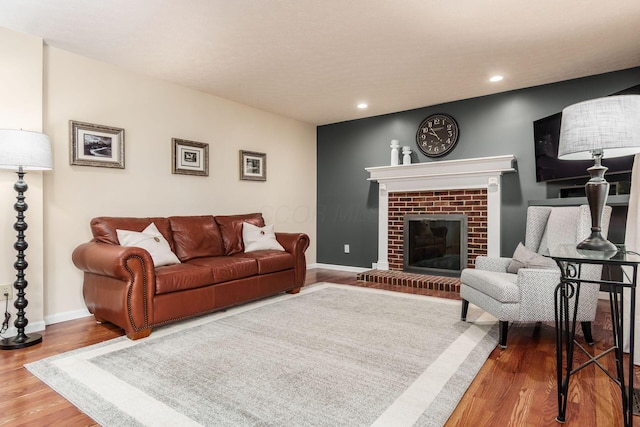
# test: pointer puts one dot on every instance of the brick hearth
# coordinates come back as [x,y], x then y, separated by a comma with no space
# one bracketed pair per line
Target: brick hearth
[421,281]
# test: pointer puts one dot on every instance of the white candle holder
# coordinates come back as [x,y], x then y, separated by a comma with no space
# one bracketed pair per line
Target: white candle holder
[406,155]
[395,159]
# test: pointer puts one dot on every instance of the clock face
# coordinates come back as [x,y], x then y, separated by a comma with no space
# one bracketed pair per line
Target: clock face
[437,135]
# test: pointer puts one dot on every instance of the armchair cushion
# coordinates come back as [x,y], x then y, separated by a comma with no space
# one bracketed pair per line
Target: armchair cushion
[524,257]
[502,287]
[561,228]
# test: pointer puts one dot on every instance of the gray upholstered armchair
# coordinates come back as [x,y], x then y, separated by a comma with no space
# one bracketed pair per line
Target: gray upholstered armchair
[522,288]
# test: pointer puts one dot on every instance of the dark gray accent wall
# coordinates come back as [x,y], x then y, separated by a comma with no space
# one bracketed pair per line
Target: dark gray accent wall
[489,126]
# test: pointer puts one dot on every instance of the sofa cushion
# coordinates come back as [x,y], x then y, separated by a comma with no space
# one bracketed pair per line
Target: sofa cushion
[152,241]
[259,238]
[179,277]
[226,268]
[196,236]
[269,261]
[104,228]
[231,229]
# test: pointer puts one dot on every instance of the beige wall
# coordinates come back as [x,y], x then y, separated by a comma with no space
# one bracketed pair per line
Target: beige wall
[152,112]
[21,108]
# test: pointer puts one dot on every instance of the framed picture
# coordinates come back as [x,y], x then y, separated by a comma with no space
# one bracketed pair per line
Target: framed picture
[96,145]
[253,166]
[190,158]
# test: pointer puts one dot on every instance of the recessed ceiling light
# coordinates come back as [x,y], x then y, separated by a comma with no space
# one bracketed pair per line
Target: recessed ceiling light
[362,105]
[496,78]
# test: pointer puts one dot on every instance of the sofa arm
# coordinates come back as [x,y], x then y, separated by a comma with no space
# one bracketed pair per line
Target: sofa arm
[118,285]
[296,244]
[108,260]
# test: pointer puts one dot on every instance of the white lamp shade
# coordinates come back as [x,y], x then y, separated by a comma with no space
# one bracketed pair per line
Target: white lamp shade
[610,124]
[26,149]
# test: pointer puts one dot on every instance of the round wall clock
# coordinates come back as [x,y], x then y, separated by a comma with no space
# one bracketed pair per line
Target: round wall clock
[437,135]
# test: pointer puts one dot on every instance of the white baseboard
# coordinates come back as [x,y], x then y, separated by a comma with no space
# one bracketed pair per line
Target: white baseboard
[67,315]
[338,267]
[48,320]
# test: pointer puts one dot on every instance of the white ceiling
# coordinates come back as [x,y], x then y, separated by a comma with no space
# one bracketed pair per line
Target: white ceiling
[314,60]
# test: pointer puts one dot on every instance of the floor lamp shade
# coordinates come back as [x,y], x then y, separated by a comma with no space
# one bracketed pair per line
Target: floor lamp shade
[602,127]
[29,150]
[20,151]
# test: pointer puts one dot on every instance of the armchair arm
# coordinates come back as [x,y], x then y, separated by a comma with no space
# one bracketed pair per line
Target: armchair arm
[498,264]
[296,244]
[537,290]
[537,293]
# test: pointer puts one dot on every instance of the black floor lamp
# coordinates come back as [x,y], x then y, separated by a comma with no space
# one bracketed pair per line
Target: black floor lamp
[22,150]
[610,127]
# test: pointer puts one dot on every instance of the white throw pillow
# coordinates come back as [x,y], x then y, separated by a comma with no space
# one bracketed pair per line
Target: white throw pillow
[259,238]
[151,240]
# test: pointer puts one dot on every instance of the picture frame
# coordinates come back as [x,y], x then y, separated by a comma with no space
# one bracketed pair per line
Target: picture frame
[253,166]
[190,157]
[96,145]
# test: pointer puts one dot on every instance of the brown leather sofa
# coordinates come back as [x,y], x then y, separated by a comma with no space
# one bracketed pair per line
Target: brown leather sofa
[122,286]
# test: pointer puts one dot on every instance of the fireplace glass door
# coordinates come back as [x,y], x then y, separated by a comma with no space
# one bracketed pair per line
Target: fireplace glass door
[435,244]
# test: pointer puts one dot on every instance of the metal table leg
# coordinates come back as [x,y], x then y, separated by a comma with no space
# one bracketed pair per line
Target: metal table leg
[565,334]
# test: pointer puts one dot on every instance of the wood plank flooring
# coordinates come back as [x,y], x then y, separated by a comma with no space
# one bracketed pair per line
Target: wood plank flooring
[515,387]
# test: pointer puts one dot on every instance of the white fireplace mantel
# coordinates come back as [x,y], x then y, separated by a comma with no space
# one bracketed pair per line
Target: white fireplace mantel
[483,172]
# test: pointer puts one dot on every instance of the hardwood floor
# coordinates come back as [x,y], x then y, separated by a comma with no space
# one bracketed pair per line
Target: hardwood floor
[515,387]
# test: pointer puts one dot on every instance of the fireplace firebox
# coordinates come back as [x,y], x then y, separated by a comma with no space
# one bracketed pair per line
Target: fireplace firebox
[435,244]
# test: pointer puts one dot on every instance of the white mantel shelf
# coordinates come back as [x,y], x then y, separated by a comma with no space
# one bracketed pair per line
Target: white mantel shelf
[482,172]
[445,173]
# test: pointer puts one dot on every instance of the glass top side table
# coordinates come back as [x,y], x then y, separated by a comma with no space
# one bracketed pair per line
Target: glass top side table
[571,260]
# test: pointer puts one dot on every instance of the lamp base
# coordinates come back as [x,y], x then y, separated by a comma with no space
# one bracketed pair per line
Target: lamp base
[14,343]
[596,190]
[595,242]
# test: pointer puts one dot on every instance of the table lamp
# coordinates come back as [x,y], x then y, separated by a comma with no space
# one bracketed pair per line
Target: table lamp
[22,150]
[602,127]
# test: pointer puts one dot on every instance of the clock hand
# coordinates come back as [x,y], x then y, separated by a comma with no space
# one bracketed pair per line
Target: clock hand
[434,134]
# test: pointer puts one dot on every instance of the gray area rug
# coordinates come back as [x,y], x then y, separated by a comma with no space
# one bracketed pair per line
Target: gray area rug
[333,355]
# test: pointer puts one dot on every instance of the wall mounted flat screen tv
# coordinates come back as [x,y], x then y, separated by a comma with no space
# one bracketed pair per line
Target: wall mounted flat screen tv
[546,134]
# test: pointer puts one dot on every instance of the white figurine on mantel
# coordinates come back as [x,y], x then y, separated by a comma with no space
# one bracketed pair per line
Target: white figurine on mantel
[406,155]
[395,155]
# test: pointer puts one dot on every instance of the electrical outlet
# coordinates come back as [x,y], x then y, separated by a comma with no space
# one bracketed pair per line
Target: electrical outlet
[346,249]
[6,289]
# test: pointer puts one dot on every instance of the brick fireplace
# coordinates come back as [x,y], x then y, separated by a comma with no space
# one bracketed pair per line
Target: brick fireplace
[469,202]
[469,186]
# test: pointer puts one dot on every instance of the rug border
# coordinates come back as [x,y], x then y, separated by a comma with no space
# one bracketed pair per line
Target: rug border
[485,323]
